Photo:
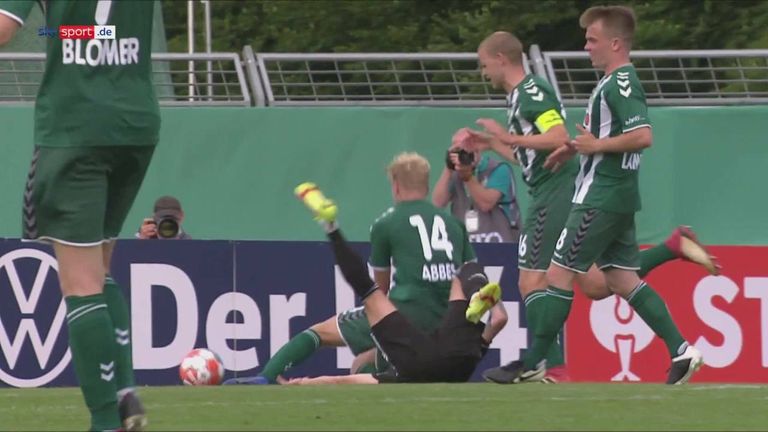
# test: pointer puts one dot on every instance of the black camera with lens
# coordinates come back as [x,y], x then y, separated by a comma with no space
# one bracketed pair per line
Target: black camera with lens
[465,158]
[167,227]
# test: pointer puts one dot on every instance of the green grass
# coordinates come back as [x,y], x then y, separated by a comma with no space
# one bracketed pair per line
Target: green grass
[413,407]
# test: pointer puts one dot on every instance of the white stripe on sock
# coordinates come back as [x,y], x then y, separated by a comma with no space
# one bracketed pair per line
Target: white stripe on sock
[636,290]
[78,310]
[89,310]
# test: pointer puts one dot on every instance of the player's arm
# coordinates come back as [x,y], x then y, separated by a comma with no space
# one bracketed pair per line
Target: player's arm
[479,140]
[553,138]
[544,113]
[504,151]
[9,24]
[497,322]
[382,277]
[333,379]
[632,141]
[552,132]
[381,254]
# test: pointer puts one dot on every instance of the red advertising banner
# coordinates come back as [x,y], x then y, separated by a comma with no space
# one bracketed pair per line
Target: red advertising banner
[725,317]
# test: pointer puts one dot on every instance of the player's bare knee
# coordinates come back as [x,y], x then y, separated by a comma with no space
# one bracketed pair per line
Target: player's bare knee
[328,332]
[106,254]
[560,277]
[531,281]
[621,281]
[81,271]
[595,292]
[593,284]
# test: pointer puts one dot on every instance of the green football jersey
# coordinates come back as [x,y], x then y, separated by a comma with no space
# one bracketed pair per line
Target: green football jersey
[532,109]
[609,181]
[425,246]
[95,92]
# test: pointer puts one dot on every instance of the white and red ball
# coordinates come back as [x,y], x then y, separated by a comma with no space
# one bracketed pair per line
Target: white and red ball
[201,367]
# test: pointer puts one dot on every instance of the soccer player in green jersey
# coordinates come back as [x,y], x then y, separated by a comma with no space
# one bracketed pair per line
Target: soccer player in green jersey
[425,244]
[536,128]
[96,127]
[448,353]
[600,228]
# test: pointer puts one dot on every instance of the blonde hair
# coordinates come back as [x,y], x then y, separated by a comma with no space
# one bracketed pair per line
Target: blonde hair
[506,44]
[618,20]
[410,171]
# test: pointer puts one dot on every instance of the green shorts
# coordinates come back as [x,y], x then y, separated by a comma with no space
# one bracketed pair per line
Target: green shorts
[81,195]
[355,330]
[546,217]
[594,236]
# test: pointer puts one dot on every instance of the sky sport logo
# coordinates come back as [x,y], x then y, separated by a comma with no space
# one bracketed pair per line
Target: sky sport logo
[80,32]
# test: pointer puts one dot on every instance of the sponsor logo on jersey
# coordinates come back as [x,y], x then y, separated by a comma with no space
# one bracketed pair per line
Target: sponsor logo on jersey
[633,119]
[630,161]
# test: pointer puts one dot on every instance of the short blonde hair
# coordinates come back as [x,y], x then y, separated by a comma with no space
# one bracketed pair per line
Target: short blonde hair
[618,20]
[410,171]
[506,44]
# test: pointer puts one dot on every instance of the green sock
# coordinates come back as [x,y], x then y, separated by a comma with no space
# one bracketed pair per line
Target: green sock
[121,320]
[652,309]
[556,306]
[298,349]
[534,311]
[654,257]
[92,343]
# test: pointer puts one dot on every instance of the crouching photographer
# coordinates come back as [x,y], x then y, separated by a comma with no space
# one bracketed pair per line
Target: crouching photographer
[165,223]
[481,192]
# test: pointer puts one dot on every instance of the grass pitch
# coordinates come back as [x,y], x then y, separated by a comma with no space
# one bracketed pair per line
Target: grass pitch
[442,407]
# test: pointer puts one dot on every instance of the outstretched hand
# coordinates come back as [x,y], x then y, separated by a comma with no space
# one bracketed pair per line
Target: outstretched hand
[478,140]
[492,127]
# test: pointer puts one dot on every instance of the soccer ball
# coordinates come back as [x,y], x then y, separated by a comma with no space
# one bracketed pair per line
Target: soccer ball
[201,367]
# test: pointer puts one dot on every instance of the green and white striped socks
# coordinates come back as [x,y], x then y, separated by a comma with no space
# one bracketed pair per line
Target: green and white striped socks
[534,313]
[121,320]
[91,340]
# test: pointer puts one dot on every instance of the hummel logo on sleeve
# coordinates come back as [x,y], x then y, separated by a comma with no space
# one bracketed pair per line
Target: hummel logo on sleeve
[622,79]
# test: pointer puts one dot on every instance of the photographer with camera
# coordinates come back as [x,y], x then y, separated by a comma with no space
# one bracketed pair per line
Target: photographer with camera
[165,224]
[481,192]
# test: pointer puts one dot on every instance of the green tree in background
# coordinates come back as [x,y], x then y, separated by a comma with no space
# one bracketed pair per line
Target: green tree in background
[322,26]
[458,25]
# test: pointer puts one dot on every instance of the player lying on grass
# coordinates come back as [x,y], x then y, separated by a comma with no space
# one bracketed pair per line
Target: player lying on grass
[449,354]
[424,242]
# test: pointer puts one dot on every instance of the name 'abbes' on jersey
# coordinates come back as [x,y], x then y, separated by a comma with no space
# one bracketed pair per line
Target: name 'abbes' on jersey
[99,52]
[438,272]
